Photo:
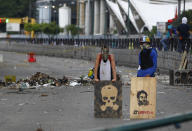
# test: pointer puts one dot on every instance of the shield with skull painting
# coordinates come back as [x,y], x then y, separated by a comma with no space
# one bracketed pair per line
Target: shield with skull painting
[108,99]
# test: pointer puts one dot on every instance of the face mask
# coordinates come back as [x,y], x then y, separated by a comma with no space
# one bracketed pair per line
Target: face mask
[141,47]
[105,55]
[146,46]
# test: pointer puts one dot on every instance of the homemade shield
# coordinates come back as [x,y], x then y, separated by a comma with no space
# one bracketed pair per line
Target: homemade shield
[143,98]
[108,99]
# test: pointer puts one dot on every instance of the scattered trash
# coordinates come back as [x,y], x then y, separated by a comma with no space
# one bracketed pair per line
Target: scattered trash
[42,79]
[44,95]
[46,85]
[2,84]
[91,73]
[74,83]
[39,129]
[21,104]
[23,85]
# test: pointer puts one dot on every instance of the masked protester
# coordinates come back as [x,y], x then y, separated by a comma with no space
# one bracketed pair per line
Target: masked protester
[147,59]
[105,66]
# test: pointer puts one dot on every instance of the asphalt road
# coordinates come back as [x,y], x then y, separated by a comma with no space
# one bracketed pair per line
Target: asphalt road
[71,108]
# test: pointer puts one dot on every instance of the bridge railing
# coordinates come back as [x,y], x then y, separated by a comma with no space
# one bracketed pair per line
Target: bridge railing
[121,43]
[150,124]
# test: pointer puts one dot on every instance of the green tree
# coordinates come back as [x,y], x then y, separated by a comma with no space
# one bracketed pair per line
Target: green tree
[73,29]
[37,28]
[16,8]
[51,29]
[28,27]
[187,14]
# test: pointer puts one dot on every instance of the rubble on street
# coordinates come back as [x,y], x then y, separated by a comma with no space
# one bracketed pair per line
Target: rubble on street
[44,80]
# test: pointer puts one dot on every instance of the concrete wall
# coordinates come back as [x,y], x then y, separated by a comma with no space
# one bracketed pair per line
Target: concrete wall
[124,57]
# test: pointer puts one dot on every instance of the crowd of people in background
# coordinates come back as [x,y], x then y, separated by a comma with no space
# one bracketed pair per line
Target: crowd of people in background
[182,32]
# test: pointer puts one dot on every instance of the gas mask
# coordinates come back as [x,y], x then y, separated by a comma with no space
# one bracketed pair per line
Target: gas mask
[105,54]
[145,46]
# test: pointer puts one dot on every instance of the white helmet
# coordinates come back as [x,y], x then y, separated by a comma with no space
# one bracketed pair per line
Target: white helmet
[184,20]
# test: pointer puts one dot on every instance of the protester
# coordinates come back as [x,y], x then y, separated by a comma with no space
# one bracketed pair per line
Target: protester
[105,68]
[183,33]
[169,35]
[147,59]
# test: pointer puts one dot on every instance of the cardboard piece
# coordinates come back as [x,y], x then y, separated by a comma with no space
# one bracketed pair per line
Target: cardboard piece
[108,99]
[143,98]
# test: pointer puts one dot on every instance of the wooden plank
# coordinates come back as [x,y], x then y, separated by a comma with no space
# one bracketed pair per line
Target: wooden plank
[108,99]
[143,98]
[183,60]
[185,64]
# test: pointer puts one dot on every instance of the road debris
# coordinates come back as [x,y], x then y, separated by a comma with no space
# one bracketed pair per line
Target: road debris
[44,80]
[43,94]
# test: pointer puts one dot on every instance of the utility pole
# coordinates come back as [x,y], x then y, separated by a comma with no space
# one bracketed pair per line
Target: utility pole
[179,8]
[128,19]
[78,17]
[184,5]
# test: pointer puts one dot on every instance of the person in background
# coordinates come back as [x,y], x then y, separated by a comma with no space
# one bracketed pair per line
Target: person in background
[105,68]
[183,33]
[147,59]
[169,35]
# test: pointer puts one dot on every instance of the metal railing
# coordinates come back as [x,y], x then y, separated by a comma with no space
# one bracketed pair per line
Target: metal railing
[119,43]
[150,124]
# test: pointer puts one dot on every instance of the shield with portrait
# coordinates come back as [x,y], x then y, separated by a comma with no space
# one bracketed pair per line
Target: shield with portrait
[143,98]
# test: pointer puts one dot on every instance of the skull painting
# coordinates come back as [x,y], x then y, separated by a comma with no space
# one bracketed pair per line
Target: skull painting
[109,97]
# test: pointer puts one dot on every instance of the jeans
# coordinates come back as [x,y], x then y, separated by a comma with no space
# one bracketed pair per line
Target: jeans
[183,45]
[164,43]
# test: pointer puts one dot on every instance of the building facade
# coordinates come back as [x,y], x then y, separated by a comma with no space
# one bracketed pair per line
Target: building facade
[100,17]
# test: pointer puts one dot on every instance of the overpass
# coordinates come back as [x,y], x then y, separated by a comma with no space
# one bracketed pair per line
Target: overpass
[108,16]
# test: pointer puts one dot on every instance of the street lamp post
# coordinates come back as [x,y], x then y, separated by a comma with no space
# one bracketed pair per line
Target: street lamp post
[55,16]
[79,4]
[53,13]
[179,8]
[128,19]
[106,15]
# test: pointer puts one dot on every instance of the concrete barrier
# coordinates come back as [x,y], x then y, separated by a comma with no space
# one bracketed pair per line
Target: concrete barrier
[166,60]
